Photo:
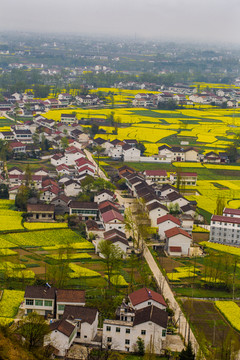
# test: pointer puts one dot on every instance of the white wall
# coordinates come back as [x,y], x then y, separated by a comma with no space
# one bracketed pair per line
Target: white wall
[166,225]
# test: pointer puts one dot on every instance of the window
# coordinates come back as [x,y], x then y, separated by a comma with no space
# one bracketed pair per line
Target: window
[29,302]
[127,331]
[47,303]
[39,302]
[149,303]
[118,329]
[143,332]
[108,328]
[109,339]
[163,332]
[127,341]
[29,311]
[61,307]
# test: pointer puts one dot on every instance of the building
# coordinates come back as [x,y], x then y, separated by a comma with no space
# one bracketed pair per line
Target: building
[178,242]
[145,297]
[225,229]
[40,212]
[66,297]
[148,323]
[87,210]
[165,223]
[40,299]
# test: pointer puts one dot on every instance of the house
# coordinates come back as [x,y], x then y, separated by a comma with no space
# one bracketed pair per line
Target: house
[225,229]
[62,335]
[7,135]
[175,198]
[165,223]
[187,223]
[15,171]
[17,147]
[68,119]
[155,176]
[191,154]
[103,196]
[22,135]
[72,188]
[178,241]
[130,153]
[116,237]
[41,172]
[88,210]
[49,192]
[40,299]
[112,219]
[184,178]
[61,204]
[86,320]
[144,297]
[231,212]
[40,212]
[148,323]
[66,297]
[156,210]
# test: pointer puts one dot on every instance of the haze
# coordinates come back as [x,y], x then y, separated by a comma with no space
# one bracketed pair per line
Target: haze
[195,20]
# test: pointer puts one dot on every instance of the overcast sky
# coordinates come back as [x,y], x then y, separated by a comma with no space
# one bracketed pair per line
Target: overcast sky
[204,20]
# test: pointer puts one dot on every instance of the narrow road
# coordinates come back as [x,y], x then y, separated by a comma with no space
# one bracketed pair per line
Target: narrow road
[99,171]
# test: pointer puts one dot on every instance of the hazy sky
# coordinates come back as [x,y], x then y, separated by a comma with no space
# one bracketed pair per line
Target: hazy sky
[207,20]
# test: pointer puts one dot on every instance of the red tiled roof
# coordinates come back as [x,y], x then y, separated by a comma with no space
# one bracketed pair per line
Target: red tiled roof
[168,217]
[231,211]
[112,215]
[71,296]
[226,219]
[145,294]
[176,231]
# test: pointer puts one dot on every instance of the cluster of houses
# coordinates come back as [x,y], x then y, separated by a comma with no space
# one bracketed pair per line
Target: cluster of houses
[25,103]
[183,95]
[142,314]
[170,212]
[128,151]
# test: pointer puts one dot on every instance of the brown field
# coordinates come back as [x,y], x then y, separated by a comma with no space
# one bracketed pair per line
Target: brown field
[209,325]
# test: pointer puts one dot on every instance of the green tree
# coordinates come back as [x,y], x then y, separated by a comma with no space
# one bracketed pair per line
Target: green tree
[140,346]
[187,354]
[112,258]
[33,328]
[64,143]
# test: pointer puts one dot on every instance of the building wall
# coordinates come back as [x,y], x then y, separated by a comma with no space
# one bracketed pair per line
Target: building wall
[153,335]
[225,233]
[166,225]
[180,240]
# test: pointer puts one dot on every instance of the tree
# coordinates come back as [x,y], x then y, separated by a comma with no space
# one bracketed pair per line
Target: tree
[41,91]
[140,146]
[112,258]
[33,328]
[220,205]
[140,346]
[4,191]
[187,354]
[64,143]
[23,194]
[94,129]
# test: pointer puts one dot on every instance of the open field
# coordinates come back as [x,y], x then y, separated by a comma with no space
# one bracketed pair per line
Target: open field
[209,325]
[205,127]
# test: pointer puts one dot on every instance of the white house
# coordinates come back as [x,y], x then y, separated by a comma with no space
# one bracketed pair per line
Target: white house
[156,210]
[112,219]
[156,176]
[62,335]
[39,299]
[103,196]
[165,223]
[178,241]
[86,320]
[72,188]
[130,153]
[149,323]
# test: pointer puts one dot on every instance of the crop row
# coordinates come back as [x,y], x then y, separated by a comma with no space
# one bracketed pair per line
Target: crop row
[231,311]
